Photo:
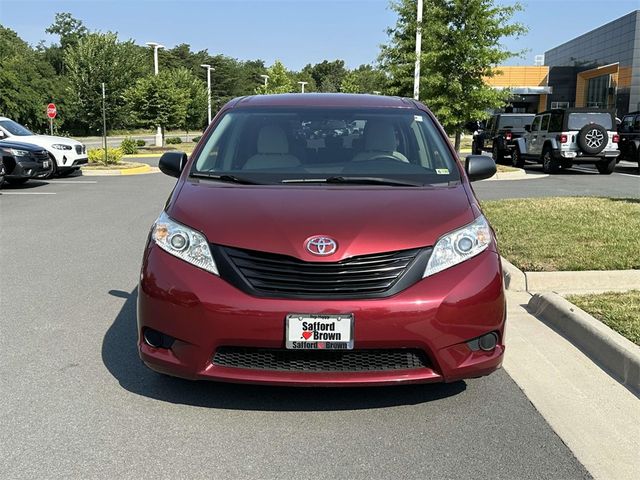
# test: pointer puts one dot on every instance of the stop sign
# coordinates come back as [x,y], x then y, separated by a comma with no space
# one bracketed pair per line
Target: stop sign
[51,110]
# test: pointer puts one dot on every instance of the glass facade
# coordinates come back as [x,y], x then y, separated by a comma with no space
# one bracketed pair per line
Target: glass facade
[570,75]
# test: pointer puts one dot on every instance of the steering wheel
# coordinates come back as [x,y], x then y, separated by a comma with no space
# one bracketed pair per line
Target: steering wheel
[389,156]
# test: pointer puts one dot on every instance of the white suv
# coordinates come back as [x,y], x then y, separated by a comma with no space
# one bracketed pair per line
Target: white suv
[561,137]
[67,154]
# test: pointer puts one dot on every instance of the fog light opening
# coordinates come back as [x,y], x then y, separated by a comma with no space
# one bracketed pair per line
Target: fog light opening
[488,342]
[157,339]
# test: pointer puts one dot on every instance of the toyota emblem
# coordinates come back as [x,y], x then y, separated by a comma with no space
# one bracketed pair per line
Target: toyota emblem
[321,245]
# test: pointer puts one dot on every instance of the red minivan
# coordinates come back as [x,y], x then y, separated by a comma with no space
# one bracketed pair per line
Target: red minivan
[322,239]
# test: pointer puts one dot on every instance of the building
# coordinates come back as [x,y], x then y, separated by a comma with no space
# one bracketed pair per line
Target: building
[598,69]
[529,86]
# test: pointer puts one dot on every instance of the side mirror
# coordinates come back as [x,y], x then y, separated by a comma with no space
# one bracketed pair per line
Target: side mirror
[172,163]
[479,167]
[527,128]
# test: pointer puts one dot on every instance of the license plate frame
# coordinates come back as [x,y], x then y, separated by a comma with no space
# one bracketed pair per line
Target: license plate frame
[293,327]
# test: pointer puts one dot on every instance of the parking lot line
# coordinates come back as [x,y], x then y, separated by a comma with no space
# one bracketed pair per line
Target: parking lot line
[71,181]
[27,193]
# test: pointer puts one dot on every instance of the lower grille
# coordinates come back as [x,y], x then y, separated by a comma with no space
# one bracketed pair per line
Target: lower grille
[320,360]
[41,156]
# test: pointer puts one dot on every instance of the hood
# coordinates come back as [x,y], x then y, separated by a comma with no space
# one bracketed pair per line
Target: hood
[20,145]
[362,220]
[44,141]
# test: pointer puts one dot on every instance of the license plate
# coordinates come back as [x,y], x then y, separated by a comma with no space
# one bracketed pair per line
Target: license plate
[318,332]
[45,164]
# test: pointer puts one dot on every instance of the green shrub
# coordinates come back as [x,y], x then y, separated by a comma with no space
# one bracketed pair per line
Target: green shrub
[114,155]
[129,146]
[140,143]
[196,139]
[173,140]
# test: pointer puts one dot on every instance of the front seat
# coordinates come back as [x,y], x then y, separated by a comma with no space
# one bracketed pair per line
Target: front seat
[272,150]
[379,140]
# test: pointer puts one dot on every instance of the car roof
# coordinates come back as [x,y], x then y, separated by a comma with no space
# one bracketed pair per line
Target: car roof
[578,110]
[516,114]
[323,100]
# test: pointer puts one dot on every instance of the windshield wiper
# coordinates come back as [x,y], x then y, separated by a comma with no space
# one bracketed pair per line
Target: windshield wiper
[226,178]
[356,181]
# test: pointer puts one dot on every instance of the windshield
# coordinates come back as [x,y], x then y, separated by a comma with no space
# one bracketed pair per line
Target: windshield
[515,121]
[304,144]
[578,120]
[15,128]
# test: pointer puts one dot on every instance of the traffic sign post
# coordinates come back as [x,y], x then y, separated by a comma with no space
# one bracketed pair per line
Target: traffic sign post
[52,111]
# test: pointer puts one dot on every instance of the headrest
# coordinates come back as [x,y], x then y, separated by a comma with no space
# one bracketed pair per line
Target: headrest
[272,140]
[379,136]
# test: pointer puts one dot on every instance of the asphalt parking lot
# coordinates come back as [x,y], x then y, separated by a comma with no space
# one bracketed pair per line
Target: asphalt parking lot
[77,402]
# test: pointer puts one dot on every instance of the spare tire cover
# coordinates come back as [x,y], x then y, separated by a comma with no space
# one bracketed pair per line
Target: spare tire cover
[593,138]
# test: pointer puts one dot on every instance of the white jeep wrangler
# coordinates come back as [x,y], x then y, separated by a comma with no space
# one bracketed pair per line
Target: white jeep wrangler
[560,138]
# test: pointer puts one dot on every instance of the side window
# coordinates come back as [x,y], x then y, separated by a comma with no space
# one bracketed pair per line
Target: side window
[535,126]
[545,123]
[636,124]
[490,123]
[555,123]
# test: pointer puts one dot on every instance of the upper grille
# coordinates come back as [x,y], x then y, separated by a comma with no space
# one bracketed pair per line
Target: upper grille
[356,277]
[320,360]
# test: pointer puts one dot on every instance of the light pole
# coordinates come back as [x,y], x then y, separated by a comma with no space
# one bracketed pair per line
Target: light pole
[208,67]
[266,81]
[156,47]
[302,84]
[416,73]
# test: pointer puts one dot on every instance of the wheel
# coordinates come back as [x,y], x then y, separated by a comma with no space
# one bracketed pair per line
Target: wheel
[549,164]
[593,138]
[606,167]
[17,181]
[497,155]
[54,170]
[2,172]
[516,158]
[566,164]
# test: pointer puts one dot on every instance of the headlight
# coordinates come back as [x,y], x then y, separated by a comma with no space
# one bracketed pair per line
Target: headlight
[460,245]
[60,146]
[19,153]
[183,242]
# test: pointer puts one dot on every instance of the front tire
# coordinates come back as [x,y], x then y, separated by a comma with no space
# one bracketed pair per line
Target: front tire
[54,169]
[549,164]
[67,172]
[606,167]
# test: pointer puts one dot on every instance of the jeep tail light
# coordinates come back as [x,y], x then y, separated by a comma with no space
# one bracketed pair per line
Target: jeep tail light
[562,138]
[616,138]
[507,136]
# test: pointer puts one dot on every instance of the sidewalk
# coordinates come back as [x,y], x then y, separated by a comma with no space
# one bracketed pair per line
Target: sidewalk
[592,413]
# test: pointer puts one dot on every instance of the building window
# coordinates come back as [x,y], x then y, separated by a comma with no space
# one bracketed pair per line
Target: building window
[559,105]
[598,91]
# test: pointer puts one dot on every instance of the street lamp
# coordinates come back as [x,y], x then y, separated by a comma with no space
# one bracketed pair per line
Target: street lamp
[156,47]
[208,67]
[416,71]
[302,84]
[266,80]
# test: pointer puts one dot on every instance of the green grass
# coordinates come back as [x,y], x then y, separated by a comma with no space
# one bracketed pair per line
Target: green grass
[567,233]
[619,311]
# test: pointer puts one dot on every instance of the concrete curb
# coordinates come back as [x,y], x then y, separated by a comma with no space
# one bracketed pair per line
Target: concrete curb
[519,175]
[619,356]
[514,278]
[141,170]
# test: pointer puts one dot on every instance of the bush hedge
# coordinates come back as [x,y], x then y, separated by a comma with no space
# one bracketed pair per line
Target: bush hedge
[173,140]
[114,155]
[129,146]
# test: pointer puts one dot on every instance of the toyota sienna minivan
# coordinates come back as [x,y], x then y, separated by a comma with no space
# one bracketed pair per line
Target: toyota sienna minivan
[322,239]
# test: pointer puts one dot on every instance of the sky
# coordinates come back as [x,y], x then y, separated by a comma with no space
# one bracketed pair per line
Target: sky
[296,32]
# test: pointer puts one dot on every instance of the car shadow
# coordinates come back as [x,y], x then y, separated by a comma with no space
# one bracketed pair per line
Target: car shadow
[120,356]
[32,183]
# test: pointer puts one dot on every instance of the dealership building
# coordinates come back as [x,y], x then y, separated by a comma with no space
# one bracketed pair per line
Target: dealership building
[598,69]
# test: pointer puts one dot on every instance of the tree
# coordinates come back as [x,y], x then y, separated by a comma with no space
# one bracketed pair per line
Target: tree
[327,75]
[279,80]
[461,45]
[97,58]
[71,31]
[195,111]
[27,81]
[364,79]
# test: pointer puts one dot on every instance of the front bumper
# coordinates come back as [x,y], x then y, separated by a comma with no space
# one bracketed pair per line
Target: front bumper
[69,158]
[437,315]
[29,169]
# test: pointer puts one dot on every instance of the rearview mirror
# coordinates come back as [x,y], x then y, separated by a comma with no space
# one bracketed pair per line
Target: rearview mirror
[479,167]
[172,163]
